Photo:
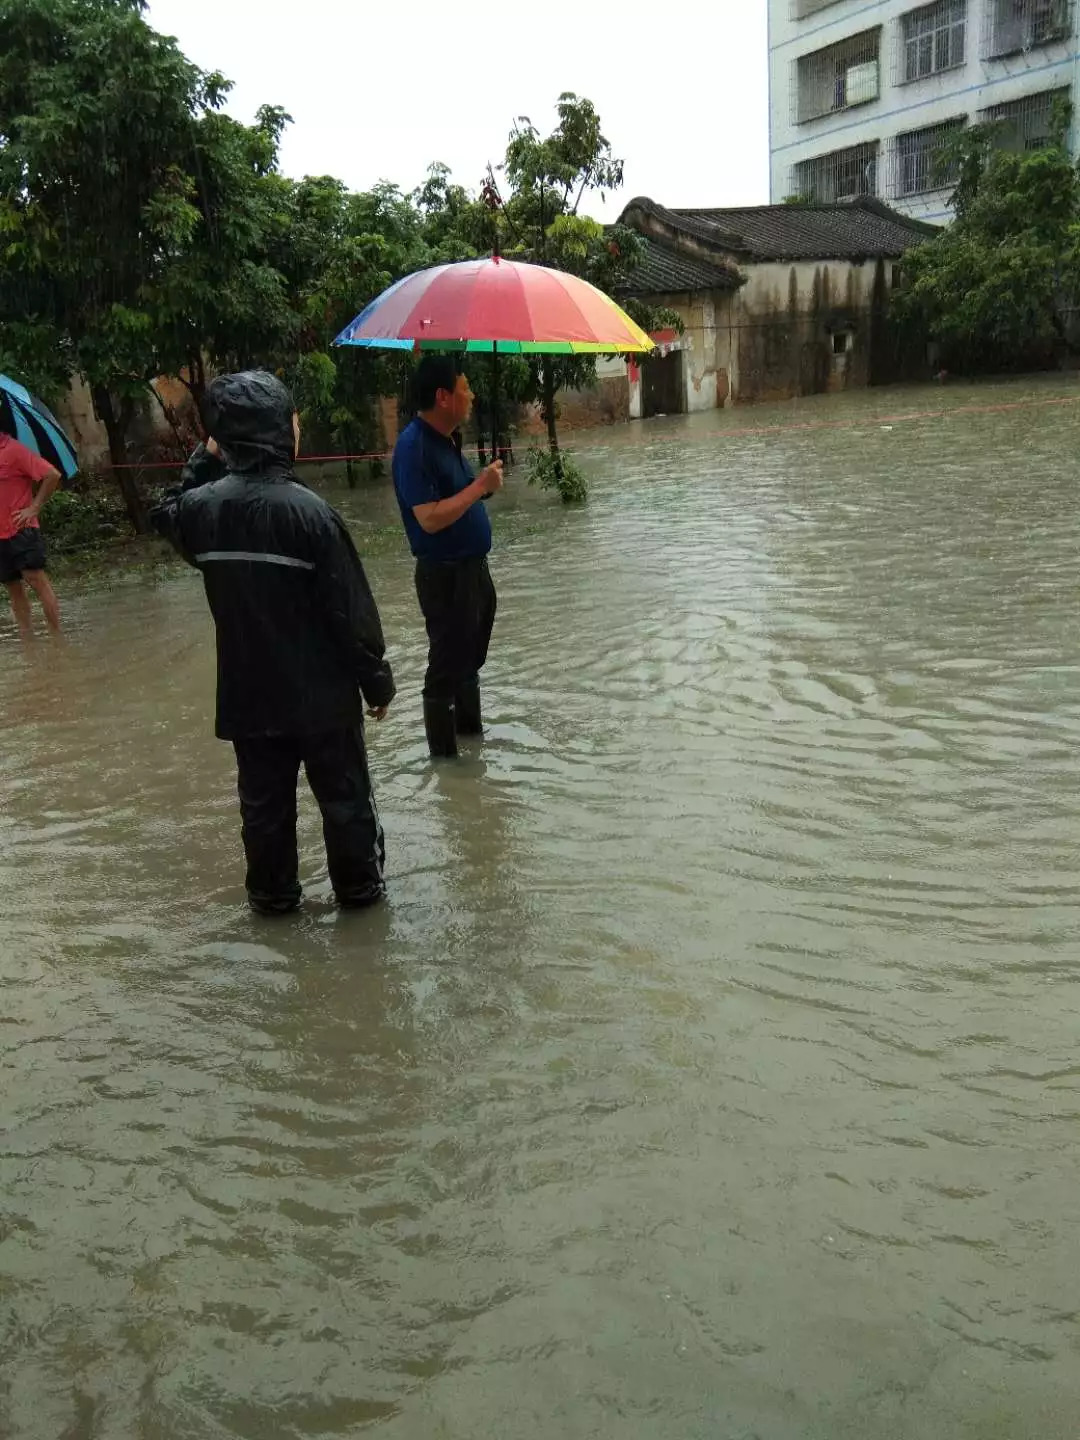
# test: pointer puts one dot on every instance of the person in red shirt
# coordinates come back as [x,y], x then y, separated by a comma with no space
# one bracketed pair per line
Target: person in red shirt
[26,482]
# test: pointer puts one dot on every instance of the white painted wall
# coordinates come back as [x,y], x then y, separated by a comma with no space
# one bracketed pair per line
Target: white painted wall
[610,367]
[699,368]
[901,107]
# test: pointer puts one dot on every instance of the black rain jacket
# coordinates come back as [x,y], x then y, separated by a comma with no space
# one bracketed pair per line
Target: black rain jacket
[299,639]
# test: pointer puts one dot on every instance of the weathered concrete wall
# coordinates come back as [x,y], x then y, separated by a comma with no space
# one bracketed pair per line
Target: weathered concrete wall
[150,431]
[76,413]
[605,403]
[700,361]
[706,380]
[774,338]
[804,329]
[388,421]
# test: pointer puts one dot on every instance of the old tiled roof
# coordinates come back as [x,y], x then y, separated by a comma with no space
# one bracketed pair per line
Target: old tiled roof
[849,230]
[664,271]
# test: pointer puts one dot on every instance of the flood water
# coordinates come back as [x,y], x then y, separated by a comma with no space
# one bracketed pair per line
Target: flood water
[713,1071]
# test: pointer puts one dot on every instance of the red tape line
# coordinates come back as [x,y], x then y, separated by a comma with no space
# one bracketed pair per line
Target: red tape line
[723,434]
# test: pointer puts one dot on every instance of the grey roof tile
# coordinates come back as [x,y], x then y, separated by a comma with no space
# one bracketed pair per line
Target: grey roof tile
[849,230]
[664,271]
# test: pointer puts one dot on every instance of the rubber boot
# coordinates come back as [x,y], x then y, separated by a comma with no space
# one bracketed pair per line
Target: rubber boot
[360,899]
[439,725]
[467,717]
[266,905]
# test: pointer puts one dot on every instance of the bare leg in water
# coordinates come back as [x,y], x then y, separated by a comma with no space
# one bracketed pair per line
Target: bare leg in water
[40,584]
[20,605]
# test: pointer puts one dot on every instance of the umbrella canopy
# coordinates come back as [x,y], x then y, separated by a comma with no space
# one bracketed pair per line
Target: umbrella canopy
[496,305]
[31,422]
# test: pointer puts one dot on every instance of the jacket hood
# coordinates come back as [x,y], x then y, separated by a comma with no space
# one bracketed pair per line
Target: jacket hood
[250,417]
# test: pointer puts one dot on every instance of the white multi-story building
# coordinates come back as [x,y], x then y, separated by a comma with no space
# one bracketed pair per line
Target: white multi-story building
[865,94]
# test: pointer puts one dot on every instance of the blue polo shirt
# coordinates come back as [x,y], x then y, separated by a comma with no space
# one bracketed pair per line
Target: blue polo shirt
[429,467]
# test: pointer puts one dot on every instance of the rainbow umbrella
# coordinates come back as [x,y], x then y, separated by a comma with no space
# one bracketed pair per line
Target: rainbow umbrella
[496,306]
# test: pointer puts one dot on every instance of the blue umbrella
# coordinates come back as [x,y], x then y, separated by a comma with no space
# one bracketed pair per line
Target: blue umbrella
[31,422]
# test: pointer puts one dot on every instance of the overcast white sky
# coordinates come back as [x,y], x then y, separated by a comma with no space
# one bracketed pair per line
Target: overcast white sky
[378,90]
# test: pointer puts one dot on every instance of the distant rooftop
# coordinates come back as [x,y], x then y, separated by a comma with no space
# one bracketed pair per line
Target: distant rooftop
[860,229]
[663,270]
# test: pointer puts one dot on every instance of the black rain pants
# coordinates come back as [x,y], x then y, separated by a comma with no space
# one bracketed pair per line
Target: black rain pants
[457,598]
[337,771]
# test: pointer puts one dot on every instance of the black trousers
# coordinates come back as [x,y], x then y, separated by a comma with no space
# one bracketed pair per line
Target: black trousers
[337,771]
[457,598]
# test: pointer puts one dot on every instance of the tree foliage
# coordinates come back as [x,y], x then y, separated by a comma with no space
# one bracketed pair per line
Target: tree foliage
[549,178]
[144,232]
[999,289]
[99,133]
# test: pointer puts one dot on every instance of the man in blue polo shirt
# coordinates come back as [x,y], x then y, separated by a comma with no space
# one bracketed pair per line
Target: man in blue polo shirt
[442,506]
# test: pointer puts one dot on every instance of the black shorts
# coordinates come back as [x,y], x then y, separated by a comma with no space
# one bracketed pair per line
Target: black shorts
[24,551]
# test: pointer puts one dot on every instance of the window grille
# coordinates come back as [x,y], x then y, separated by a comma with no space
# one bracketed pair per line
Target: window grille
[840,175]
[920,160]
[1028,123]
[838,77]
[931,39]
[1014,26]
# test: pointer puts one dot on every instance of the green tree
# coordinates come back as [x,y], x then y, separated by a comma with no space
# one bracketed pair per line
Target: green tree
[549,177]
[98,116]
[142,231]
[455,224]
[339,251]
[220,295]
[998,288]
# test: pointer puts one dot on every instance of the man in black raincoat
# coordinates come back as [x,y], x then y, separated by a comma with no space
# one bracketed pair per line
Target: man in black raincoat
[299,642]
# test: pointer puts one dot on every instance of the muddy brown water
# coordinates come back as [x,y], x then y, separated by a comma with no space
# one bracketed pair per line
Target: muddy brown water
[714,1069]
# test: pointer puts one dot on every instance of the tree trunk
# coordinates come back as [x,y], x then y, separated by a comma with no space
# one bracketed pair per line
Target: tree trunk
[116,427]
[549,413]
[195,381]
[170,419]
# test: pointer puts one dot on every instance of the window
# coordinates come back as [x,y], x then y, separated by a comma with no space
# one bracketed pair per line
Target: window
[1028,123]
[840,175]
[842,342]
[922,162]
[837,77]
[1013,26]
[933,39]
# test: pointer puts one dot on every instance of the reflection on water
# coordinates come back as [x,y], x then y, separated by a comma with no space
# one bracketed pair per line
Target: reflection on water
[712,1070]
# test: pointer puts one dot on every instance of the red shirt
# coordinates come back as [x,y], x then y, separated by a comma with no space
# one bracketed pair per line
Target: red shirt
[20,470]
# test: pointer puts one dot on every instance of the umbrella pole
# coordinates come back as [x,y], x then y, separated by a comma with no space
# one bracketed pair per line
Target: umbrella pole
[496,438]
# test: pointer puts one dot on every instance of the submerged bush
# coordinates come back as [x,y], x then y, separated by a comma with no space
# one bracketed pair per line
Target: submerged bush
[553,471]
[76,521]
